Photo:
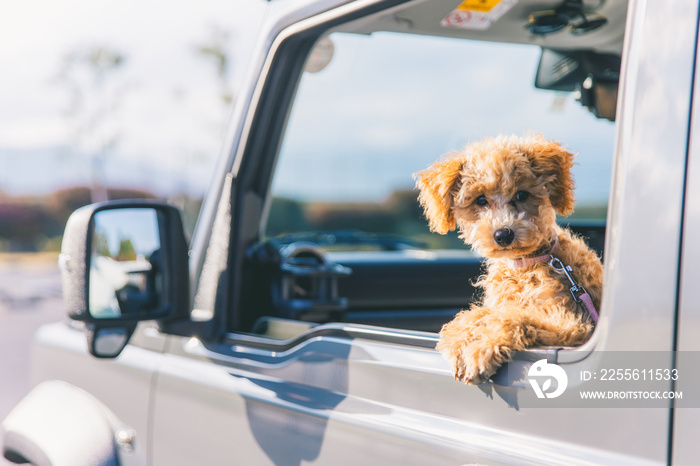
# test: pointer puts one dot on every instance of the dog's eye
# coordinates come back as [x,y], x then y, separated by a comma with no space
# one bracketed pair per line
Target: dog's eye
[481,201]
[521,196]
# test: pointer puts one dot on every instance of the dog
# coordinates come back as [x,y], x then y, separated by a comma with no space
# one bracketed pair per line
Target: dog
[543,284]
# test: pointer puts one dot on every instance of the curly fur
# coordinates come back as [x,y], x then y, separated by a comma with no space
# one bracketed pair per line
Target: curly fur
[521,307]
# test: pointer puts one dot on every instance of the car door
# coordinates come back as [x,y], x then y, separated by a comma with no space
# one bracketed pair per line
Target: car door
[684,448]
[368,387]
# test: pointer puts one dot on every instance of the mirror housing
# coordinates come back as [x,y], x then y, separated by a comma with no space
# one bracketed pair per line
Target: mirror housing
[123,262]
[599,96]
[593,76]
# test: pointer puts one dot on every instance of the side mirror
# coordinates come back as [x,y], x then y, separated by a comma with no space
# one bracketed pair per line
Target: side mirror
[123,262]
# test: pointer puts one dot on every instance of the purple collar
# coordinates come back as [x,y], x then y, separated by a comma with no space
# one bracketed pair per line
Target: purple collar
[524,262]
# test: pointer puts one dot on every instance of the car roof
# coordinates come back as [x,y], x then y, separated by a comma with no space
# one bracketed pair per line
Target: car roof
[428,18]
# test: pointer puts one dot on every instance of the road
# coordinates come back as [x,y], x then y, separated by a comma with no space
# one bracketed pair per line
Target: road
[30,296]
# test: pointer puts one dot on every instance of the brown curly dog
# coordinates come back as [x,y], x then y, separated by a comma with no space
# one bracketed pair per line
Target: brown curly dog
[503,194]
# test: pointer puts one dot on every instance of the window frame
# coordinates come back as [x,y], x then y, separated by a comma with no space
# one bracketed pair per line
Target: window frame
[254,164]
[250,197]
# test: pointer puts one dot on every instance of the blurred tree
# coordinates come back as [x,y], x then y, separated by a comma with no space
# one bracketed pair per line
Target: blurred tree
[24,225]
[126,250]
[400,214]
[64,202]
[286,216]
[216,51]
[89,76]
[102,244]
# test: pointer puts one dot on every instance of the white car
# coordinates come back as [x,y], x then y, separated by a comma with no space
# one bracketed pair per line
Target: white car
[299,324]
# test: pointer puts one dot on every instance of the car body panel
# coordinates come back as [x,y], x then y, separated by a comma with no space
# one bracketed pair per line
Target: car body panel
[685,448]
[391,402]
[124,385]
[650,154]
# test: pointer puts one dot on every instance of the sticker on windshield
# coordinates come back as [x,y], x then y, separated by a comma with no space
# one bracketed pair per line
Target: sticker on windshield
[477,14]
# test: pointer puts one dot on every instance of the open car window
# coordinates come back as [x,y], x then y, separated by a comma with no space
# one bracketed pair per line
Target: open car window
[388,105]
[344,238]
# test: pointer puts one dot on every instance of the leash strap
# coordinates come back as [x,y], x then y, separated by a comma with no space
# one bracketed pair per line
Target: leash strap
[578,292]
[588,304]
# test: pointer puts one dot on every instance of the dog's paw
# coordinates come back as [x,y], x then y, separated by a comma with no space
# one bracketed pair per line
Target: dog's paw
[474,353]
[476,362]
[470,375]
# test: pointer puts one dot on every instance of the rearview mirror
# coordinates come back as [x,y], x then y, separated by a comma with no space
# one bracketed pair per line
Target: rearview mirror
[593,76]
[123,262]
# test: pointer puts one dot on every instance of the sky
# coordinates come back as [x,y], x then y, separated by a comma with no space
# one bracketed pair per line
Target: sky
[377,114]
[160,109]
[140,226]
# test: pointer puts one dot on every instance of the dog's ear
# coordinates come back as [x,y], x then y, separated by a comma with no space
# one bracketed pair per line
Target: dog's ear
[553,163]
[436,185]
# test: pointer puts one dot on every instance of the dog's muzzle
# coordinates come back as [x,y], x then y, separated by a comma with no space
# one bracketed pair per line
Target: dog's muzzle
[504,236]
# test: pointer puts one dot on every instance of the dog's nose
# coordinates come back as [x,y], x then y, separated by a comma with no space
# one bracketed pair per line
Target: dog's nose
[504,236]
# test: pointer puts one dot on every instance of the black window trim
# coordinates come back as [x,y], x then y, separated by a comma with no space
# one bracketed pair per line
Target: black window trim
[253,165]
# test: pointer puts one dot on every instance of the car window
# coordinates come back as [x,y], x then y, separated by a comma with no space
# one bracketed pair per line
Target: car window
[388,105]
[343,236]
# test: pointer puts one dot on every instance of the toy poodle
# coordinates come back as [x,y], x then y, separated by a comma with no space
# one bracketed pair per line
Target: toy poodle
[542,285]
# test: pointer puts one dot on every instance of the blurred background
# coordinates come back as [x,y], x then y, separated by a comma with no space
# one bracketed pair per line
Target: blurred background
[101,100]
[110,100]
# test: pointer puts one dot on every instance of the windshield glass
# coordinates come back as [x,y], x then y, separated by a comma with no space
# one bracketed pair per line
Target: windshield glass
[389,104]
